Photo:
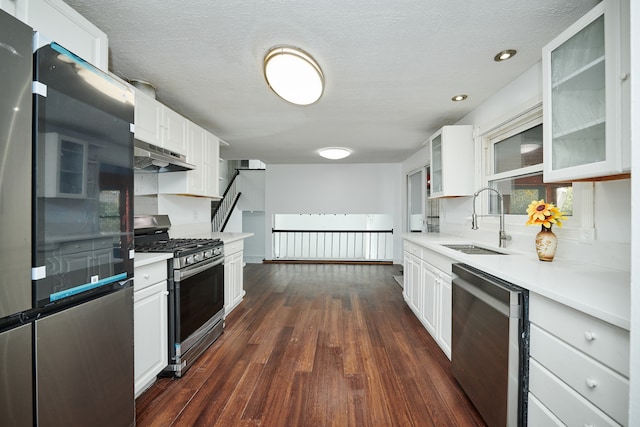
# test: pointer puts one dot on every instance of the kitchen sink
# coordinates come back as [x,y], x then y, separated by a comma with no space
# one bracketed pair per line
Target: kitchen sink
[472,249]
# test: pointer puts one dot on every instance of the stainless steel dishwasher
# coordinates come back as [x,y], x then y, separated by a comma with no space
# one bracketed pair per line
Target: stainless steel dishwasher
[490,344]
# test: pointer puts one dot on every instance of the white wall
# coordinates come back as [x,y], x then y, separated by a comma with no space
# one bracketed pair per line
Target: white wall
[253,222]
[187,214]
[634,395]
[334,188]
[333,221]
[251,183]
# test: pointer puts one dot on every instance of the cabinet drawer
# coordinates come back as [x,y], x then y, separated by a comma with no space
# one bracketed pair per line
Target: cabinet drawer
[413,249]
[233,247]
[148,275]
[604,342]
[601,386]
[561,401]
[539,415]
[440,262]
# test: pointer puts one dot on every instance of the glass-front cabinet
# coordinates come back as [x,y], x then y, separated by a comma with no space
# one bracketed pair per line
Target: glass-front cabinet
[585,97]
[67,161]
[436,164]
[451,151]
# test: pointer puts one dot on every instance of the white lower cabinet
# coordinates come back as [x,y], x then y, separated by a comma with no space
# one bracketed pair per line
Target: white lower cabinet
[233,275]
[413,288]
[430,298]
[427,291]
[579,367]
[539,415]
[150,324]
[444,324]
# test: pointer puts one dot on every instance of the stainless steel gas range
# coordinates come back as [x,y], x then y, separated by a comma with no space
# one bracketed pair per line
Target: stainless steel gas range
[196,289]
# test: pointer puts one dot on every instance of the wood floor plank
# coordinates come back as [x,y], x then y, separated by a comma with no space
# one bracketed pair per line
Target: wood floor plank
[315,345]
[264,383]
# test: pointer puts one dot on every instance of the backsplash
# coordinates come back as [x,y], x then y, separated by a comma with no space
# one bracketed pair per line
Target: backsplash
[185,212]
[611,220]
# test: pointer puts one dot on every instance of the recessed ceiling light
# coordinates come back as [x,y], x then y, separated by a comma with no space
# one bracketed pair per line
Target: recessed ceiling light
[293,75]
[334,153]
[457,98]
[504,55]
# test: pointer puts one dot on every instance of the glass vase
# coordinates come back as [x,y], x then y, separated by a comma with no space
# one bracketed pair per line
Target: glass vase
[546,244]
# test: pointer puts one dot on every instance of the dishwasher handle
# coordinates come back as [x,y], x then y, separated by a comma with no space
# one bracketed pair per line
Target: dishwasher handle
[507,310]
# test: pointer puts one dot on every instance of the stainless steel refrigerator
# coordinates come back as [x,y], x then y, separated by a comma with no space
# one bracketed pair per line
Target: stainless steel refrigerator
[66,237]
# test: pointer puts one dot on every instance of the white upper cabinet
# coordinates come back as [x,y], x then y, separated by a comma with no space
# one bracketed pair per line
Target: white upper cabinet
[211,160]
[8,6]
[196,153]
[148,119]
[202,152]
[586,96]
[57,21]
[451,150]
[159,125]
[175,131]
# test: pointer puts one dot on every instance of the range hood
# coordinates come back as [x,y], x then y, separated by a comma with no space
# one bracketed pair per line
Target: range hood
[150,158]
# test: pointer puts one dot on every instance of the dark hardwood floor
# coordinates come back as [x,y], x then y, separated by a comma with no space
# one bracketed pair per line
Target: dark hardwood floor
[315,345]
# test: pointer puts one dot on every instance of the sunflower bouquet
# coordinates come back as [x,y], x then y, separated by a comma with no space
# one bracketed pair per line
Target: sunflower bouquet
[544,214]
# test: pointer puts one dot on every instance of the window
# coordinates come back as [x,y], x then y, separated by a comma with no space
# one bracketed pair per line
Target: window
[513,159]
[415,199]
[109,210]
[423,212]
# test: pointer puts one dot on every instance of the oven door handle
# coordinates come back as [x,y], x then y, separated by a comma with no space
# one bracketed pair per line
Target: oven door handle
[182,275]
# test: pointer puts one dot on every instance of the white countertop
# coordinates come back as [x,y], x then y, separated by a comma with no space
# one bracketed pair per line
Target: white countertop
[225,237]
[599,291]
[230,237]
[146,258]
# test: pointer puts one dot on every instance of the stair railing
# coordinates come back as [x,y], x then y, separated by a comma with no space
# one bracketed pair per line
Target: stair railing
[222,213]
[333,245]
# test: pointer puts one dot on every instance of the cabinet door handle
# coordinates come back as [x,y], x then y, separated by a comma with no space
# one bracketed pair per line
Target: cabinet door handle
[146,275]
[165,293]
[590,336]
[591,383]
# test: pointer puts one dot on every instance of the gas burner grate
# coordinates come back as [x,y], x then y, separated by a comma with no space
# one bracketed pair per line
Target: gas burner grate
[171,245]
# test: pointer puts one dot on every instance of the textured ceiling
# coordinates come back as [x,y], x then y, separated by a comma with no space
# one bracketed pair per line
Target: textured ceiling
[391,67]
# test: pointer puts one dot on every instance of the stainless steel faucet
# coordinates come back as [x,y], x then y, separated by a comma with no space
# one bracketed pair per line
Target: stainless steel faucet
[502,236]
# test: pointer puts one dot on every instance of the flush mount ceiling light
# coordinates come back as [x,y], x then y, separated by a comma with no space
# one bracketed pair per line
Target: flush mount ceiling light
[459,98]
[504,55]
[334,153]
[293,75]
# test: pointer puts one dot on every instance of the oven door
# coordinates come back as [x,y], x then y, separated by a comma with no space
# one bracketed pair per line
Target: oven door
[199,293]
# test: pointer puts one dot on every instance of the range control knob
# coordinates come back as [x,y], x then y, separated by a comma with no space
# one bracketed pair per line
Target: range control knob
[208,253]
[189,260]
[199,257]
